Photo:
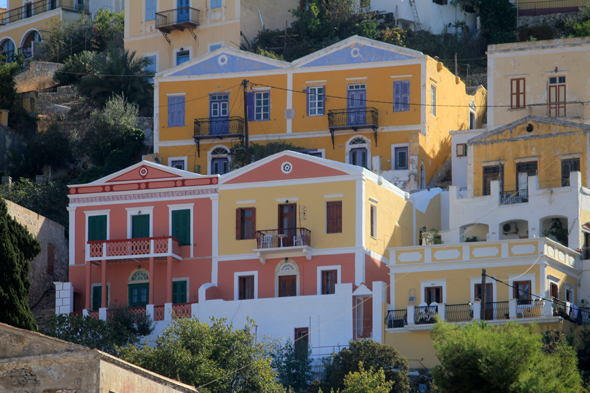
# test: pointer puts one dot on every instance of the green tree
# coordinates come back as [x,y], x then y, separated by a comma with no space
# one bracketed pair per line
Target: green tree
[67,37]
[108,28]
[258,152]
[498,19]
[511,358]
[17,249]
[19,119]
[367,381]
[122,329]
[373,355]
[293,365]
[75,68]
[50,148]
[212,357]
[118,72]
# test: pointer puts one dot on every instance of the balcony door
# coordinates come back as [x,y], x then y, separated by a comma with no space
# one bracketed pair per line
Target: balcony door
[287,223]
[140,226]
[183,10]
[138,294]
[489,306]
[523,171]
[219,114]
[357,104]
[287,286]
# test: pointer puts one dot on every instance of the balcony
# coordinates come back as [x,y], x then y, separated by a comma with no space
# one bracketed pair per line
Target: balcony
[353,119]
[207,128]
[156,313]
[576,112]
[513,197]
[39,7]
[178,19]
[535,8]
[133,250]
[275,243]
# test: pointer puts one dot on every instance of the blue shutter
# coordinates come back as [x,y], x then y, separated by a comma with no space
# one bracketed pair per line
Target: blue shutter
[306,91]
[215,4]
[405,93]
[180,112]
[171,111]
[150,10]
[250,106]
[397,93]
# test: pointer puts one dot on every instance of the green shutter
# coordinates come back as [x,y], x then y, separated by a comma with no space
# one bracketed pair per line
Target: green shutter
[138,295]
[97,228]
[179,292]
[96,297]
[140,226]
[181,226]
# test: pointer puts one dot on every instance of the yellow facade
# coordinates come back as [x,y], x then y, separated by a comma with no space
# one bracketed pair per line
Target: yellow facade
[426,136]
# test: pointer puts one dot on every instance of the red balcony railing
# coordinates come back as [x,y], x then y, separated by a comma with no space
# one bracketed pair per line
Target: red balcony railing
[159,312]
[133,249]
[182,310]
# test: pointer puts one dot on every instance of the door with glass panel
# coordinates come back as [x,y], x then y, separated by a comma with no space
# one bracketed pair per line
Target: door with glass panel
[287,224]
[357,103]
[219,114]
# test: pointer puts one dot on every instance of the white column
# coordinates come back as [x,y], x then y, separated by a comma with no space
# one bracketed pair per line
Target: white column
[168,311]
[477,310]
[512,309]
[442,312]
[411,310]
[72,234]
[548,306]
[379,298]
[102,313]
[149,310]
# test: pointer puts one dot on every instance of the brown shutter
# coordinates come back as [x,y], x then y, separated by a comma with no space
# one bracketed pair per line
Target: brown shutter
[334,217]
[280,225]
[254,222]
[241,287]
[238,224]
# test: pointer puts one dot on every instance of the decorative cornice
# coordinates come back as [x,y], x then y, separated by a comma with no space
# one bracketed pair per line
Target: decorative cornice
[142,196]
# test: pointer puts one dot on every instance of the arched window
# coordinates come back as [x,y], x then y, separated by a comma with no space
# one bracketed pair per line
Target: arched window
[358,152]
[27,43]
[287,278]
[7,49]
[139,288]
[219,161]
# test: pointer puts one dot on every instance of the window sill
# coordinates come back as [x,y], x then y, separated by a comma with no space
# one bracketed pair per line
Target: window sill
[260,120]
[176,125]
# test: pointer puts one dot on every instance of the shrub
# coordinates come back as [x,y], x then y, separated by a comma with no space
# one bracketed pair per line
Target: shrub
[544,32]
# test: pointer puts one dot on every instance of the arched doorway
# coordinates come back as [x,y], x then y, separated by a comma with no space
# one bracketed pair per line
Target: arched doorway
[139,288]
[7,49]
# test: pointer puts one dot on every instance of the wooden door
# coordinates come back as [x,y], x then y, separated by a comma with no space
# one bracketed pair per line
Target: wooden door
[287,286]
[138,294]
[287,223]
[554,291]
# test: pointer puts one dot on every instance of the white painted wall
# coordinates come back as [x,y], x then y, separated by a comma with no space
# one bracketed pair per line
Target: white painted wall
[459,164]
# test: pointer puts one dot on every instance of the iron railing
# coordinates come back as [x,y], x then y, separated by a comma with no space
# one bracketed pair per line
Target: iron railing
[276,238]
[219,127]
[458,312]
[39,7]
[397,318]
[425,314]
[535,8]
[178,18]
[353,118]
[513,197]
[496,310]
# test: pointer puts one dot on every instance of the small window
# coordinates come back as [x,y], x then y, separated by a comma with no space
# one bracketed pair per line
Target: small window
[178,164]
[401,96]
[215,4]
[175,111]
[262,106]
[329,278]
[334,217]
[522,291]
[567,167]
[374,221]
[246,287]
[182,56]
[461,150]
[401,158]
[245,223]
[315,101]
[433,100]
[301,339]
[433,295]
[517,93]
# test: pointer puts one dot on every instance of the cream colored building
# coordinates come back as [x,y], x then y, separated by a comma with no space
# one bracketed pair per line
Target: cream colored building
[539,78]
[171,32]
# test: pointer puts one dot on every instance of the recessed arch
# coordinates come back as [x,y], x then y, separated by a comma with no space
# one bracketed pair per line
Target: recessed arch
[514,229]
[218,160]
[355,146]
[31,34]
[474,232]
[8,46]
[287,267]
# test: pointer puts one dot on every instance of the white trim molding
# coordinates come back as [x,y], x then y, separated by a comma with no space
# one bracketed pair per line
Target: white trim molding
[321,269]
[237,276]
[134,211]
[185,206]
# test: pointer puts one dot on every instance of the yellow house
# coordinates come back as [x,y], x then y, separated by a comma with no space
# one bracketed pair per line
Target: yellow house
[362,102]
[25,23]
[539,78]
[170,32]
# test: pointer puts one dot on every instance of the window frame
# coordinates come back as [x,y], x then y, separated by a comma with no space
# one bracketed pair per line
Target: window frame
[485,191]
[558,107]
[238,276]
[304,330]
[99,284]
[262,113]
[183,159]
[220,4]
[517,97]
[433,99]
[184,206]
[176,109]
[320,276]
[398,101]
[435,287]
[240,222]
[134,211]
[182,50]
[565,181]
[528,296]
[320,99]
[180,279]
[461,149]
[97,213]
[406,149]
[325,274]
[338,226]
[373,220]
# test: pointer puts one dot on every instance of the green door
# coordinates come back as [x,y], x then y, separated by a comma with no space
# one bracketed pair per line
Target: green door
[97,228]
[96,297]
[179,292]
[140,226]
[181,226]
[138,294]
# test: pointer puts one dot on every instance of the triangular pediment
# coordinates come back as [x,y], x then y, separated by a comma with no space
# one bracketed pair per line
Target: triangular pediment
[286,166]
[357,50]
[530,127]
[225,61]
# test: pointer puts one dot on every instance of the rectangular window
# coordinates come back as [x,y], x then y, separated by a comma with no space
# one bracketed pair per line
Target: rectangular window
[315,101]
[334,217]
[522,291]
[329,278]
[179,292]
[301,339]
[401,158]
[433,295]
[567,167]
[461,149]
[181,226]
[182,57]
[491,173]
[150,10]
[245,223]
[557,96]
[215,4]
[246,287]
[262,106]
[178,164]
[140,226]
[97,228]
[175,111]
[374,221]
[517,93]
[287,286]
[433,100]
[401,96]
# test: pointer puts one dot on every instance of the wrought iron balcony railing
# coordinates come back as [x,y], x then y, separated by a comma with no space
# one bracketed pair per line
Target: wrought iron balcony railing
[512,197]
[39,7]
[353,119]
[425,314]
[178,19]
[397,318]
[459,312]
[279,238]
[132,249]
[219,128]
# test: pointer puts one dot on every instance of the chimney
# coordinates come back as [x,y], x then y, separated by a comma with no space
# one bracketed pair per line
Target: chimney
[4,117]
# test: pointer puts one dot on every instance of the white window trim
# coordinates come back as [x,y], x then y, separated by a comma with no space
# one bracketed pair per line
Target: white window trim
[108,293]
[257,90]
[477,280]
[210,157]
[433,283]
[374,229]
[321,269]
[324,101]
[187,300]
[237,276]
[279,274]
[366,145]
[552,280]
[134,211]
[215,43]
[98,213]
[175,94]
[393,156]
[183,49]
[185,206]
[525,277]
[433,108]
[183,159]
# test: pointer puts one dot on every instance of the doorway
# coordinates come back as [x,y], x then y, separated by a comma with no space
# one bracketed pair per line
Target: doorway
[287,223]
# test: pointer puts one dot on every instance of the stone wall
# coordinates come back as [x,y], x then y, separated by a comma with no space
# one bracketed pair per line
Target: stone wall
[49,266]
[36,70]
[477,79]
[551,20]
[64,94]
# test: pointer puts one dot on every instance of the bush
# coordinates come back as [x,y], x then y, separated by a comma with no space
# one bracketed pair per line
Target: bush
[293,365]
[75,68]
[19,119]
[544,32]
[67,37]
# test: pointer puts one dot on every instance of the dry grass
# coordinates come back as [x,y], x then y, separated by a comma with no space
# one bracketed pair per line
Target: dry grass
[36,84]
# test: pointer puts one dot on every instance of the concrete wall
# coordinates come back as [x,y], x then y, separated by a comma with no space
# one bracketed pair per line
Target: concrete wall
[49,266]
